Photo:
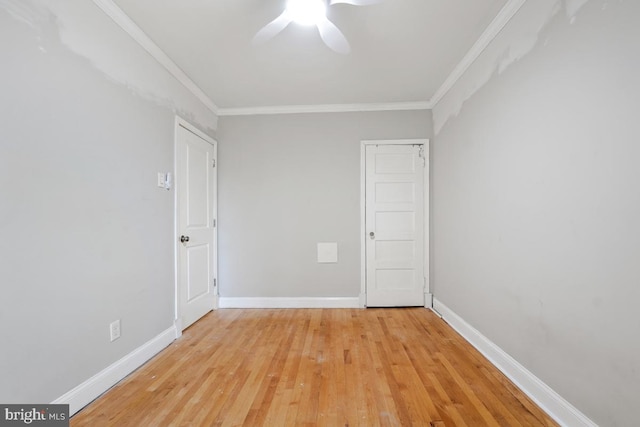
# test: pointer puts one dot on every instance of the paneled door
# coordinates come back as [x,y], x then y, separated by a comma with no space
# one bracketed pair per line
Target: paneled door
[196,224]
[394,225]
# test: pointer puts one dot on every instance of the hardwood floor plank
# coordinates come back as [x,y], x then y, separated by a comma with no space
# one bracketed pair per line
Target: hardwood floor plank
[316,367]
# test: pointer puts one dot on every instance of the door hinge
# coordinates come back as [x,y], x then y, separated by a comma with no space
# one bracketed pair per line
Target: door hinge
[214,223]
[215,282]
[213,163]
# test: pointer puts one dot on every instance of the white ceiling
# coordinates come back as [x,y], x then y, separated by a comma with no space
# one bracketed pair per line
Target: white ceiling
[401,50]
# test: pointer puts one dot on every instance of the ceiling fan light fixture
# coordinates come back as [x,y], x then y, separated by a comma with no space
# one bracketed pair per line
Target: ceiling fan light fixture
[307,12]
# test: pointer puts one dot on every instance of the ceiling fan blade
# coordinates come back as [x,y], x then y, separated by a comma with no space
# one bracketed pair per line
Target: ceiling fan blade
[356,2]
[333,37]
[272,28]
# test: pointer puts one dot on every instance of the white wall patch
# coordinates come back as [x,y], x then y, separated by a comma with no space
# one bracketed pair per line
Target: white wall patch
[327,252]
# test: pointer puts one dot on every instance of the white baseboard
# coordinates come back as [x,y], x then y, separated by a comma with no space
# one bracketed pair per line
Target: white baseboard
[428,300]
[346,302]
[89,390]
[550,401]
[177,326]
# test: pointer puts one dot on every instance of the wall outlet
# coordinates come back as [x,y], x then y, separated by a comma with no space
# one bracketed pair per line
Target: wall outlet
[114,329]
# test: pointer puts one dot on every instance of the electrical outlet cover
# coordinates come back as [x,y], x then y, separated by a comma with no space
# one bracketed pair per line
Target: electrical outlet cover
[114,330]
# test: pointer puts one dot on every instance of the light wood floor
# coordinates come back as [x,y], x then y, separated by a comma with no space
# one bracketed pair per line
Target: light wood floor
[321,367]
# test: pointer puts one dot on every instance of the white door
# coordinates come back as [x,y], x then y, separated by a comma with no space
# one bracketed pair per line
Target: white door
[196,227]
[394,225]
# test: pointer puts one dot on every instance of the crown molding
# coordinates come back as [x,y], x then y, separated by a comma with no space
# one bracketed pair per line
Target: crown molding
[121,18]
[325,108]
[498,23]
[495,27]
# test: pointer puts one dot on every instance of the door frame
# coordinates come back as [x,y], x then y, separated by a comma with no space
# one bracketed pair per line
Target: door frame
[180,122]
[428,296]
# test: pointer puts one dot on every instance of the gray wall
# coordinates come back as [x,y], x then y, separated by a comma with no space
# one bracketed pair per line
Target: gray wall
[536,200]
[86,237]
[288,182]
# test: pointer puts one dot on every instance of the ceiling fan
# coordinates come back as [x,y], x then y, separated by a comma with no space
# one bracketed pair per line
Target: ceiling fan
[311,13]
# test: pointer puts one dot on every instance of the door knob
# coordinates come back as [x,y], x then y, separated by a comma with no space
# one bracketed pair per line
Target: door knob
[372,235]
[184,239]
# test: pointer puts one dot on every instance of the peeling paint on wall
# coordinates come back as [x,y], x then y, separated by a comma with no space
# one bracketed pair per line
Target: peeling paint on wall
[24,12]
[515,42]
[572,7]
[535,189]
[82,28]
